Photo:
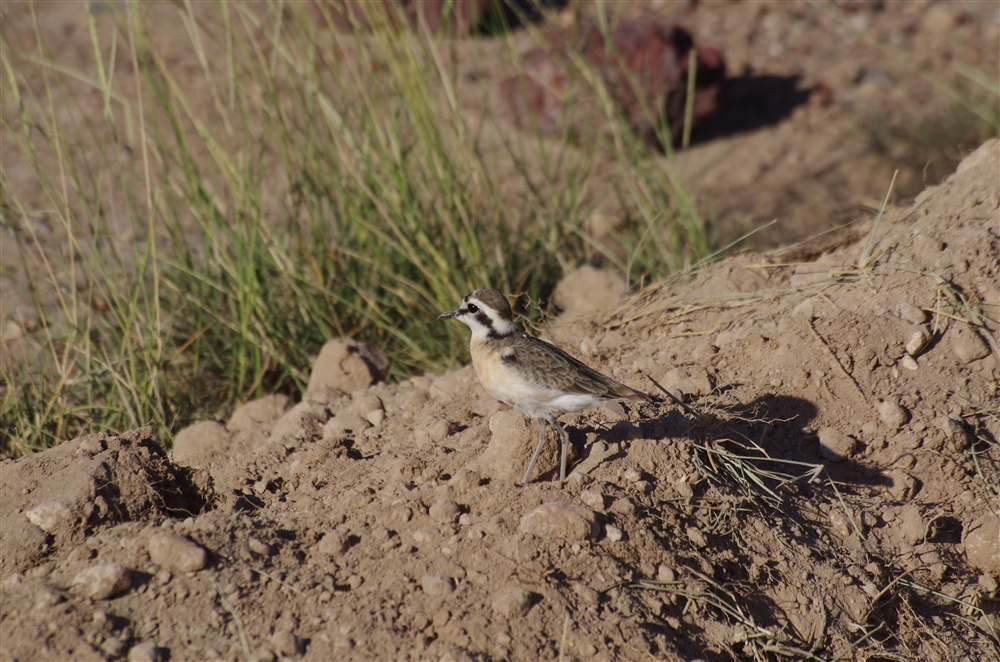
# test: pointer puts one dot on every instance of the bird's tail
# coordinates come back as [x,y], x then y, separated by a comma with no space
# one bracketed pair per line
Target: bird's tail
[639,396]
[624,392]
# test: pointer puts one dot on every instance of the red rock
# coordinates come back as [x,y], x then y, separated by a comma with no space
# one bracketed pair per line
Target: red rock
[643,64]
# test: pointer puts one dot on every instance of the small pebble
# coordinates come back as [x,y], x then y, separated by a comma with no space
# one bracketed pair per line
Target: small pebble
[683,487]
[644,486]
[345,425]
[438,428]
[902,486]
[46,598]
[968,346]
[437,584]
[375,417]
[917,341]
[622,506]
[954,431]
[101,582]
[445,511]
[593,499]
[265,654]
[113,647]
[893,415]
[836,446]
[912,314]
[466,479]
[50,516]
[333,543]
[696,537]
[981,539]
[91,446]
[560,520]
[425,534]
[512,602]
[99,619]
[841,523]
[176,553]
[146,651]
[286,644]
[613,533]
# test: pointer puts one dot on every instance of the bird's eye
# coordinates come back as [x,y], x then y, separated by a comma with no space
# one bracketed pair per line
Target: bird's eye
[472,308]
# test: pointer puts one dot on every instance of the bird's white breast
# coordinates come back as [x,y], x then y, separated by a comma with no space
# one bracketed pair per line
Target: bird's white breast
[507,384]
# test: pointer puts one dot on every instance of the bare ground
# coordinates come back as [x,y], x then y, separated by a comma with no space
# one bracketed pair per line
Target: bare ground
[387,524]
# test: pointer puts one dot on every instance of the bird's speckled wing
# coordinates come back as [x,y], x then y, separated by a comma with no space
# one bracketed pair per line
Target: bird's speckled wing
[547,365]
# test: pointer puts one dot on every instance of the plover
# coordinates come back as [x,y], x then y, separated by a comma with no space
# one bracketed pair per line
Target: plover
[531,375]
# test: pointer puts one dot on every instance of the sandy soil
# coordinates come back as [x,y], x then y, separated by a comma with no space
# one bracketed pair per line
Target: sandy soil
[388,523]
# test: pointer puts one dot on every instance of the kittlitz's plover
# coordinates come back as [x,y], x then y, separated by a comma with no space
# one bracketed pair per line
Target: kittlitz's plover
[529,374]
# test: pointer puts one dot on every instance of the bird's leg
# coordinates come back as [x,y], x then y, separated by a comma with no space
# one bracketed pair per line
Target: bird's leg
[538,450]
[564,438]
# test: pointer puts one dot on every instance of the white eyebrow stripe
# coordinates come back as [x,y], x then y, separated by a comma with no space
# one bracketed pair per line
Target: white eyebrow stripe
[499,325]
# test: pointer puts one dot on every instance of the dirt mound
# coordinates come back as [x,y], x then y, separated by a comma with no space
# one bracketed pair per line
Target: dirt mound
[829,486]
[54,500]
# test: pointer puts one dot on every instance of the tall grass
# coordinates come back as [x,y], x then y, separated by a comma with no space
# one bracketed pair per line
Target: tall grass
[211,228]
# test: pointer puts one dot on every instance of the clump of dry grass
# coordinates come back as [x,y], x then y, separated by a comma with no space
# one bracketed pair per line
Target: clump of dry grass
[312,184]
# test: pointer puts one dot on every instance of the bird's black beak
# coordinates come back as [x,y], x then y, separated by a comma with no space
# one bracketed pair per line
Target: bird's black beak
[447,316]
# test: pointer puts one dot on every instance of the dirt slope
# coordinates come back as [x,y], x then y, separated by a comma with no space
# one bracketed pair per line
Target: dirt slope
[388,523]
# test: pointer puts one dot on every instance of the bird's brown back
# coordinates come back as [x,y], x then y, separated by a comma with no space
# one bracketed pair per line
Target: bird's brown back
[546,365]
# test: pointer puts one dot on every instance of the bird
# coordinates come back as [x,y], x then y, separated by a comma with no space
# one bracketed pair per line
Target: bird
[532,376]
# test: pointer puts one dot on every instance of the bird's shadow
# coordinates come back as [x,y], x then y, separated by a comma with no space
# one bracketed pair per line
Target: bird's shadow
[776,429]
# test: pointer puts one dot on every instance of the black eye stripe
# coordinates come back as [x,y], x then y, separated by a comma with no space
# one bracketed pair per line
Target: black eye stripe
[485,320]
